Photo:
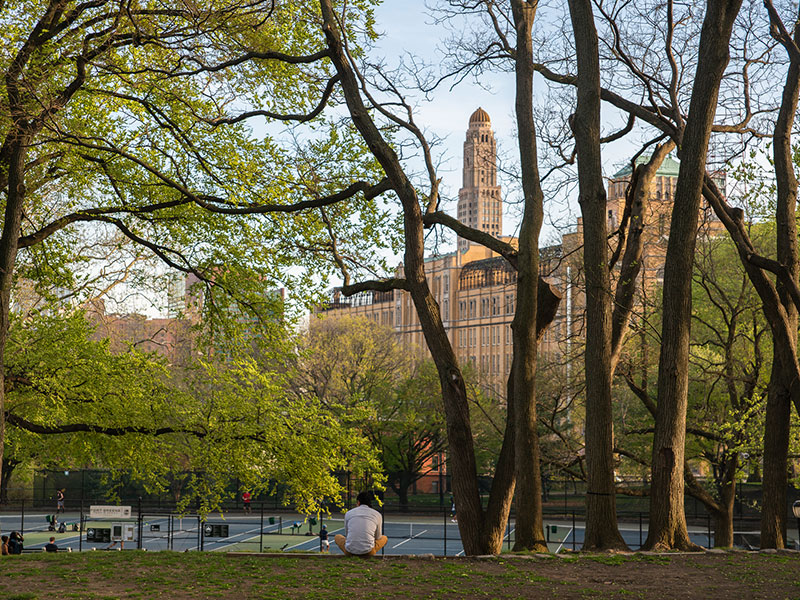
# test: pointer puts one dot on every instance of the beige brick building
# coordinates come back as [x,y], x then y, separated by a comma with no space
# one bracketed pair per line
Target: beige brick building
[476,288]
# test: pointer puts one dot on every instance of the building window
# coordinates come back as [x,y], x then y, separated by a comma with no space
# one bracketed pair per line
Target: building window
[510,304]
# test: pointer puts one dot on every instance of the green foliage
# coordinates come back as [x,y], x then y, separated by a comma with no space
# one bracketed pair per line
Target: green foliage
[355,364]
[153,154]
[80,405]
[731,353]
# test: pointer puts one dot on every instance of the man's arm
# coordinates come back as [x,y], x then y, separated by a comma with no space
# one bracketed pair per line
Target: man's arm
[378,527]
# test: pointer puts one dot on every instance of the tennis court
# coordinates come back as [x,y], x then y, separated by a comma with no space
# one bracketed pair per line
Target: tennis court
[418,535]
[294,533]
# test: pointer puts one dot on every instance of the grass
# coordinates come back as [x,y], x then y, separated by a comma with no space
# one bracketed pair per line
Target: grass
[202,576]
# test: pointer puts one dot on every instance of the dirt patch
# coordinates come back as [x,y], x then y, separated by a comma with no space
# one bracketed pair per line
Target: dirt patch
[194,576]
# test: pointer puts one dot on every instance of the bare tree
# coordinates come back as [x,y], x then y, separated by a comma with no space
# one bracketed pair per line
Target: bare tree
[601,511]
[667,519]
[481,530]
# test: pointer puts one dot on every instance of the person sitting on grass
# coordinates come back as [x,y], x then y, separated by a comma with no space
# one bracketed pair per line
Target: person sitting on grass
[4,547]
[15,543]
[51,547]
[362,529]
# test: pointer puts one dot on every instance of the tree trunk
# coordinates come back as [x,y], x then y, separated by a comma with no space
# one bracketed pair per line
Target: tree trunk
[782,382]
[15,199]
[8,469]
[529,524]
[667,529]
[601,508]
[504,482]
[776,448]
[403,483]
[723,518]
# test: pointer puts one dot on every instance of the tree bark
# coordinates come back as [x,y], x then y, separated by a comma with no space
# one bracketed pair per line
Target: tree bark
[723,518]
[15,200]
[667,528]
[602,532]
[782,382]
[529,524]
[8,469]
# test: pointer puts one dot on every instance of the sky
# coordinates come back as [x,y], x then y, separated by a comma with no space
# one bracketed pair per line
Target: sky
[407,27]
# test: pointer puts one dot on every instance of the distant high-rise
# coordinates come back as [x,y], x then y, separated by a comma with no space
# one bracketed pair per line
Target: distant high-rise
[479,202]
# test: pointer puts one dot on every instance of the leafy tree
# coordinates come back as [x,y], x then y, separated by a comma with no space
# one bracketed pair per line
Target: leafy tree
[73,403]
[130,118]
[409,429]
[360,371]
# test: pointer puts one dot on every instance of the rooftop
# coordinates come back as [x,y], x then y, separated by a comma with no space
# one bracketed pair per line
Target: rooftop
[480,116]
[668,168]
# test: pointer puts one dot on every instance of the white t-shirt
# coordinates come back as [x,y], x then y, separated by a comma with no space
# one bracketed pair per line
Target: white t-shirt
[362,527]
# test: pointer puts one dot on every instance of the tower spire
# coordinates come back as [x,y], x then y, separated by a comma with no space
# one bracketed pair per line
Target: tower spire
[479,200]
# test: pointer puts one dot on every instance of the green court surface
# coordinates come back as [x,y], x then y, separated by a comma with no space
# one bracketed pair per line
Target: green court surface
[34,538]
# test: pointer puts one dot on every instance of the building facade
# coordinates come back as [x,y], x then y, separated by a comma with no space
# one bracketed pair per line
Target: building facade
[476,288]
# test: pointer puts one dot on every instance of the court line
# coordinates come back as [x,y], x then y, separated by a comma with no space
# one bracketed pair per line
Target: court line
[561,545]
[298,545]
[410,538]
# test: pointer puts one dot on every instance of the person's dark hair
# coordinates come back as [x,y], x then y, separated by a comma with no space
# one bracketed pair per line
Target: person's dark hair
[4,538]
[365,498]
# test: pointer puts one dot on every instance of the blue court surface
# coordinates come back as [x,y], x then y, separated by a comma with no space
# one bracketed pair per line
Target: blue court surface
[293,533]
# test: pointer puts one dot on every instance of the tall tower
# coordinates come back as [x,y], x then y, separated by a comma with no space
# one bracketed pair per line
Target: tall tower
[479,202]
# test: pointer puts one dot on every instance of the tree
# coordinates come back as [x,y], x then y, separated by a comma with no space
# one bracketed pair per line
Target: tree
[729,360]
[72,403]
[360,371]
[667,519]
[481,531]
[116,116]
[728,378]
[780,298]
[691,137]
[601,513]
[783,381]
[409,430]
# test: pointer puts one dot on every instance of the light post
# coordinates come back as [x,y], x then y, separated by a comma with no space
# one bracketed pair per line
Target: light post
[796,511]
